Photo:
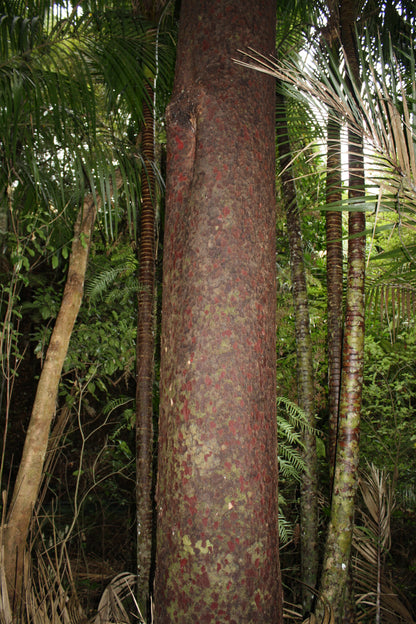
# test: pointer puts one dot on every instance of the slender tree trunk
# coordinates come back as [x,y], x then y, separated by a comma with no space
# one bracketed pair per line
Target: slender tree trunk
[217,539]
[31,465]
[309,486]
[334,250]
[336,566]
[151,9]
[334,276]
[145,357]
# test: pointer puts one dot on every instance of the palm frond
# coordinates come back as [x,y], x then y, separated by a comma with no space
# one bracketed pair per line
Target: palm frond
[111,606]
[371,543]
[68,98]
[378,500]
[381,114]
[383,111]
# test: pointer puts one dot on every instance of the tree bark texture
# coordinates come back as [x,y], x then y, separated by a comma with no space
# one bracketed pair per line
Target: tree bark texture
[29,475]
[336,566]
[217,538]
[145,361]
[304,356]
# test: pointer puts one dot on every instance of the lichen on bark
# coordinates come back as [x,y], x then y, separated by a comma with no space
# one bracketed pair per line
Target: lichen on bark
[217,541]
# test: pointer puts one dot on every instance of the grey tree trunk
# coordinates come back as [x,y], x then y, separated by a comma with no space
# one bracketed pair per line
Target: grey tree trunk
[30,471]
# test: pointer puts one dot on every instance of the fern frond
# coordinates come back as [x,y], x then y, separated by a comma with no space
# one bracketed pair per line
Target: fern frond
[285,529]
[120,267]
[294,414]
[99,284]
[115,404]
[288,469]
[127,288]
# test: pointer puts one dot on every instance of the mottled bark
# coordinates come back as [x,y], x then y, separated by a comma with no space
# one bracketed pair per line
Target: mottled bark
[29,475]
[217,538]
[305,385]
[145,361]
[336,565]
[334,277]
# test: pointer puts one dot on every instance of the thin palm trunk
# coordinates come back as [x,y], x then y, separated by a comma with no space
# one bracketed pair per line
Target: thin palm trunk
[30,471]
[145,358]
[334,250]
[338,546]
[336,565]
[305,384]
[145,345]
[334,275]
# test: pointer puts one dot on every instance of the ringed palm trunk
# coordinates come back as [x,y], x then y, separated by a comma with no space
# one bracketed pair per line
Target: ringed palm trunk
[145,344]
[334,250]
[336,565]
[30,471]
[309,486]
[334,276]
[217,535]
[145,357]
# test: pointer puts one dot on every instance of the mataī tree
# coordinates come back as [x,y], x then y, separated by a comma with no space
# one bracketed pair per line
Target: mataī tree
[217,538]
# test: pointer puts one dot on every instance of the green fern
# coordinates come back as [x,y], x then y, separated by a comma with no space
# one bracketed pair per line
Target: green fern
[100,283]
[285,527]
[121,268]
[291,423]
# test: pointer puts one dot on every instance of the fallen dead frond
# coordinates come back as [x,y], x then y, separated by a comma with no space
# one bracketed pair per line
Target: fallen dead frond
[112,606]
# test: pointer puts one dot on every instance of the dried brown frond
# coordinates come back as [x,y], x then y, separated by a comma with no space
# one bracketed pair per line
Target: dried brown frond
[372,540]
[112,606]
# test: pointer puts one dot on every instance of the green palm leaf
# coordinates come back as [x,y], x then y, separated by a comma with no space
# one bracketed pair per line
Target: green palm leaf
[383,110]
[71,85]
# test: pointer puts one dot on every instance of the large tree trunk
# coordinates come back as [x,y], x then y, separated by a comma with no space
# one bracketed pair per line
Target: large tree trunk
[336,565]
[304,356]
[29,475]
[217,539]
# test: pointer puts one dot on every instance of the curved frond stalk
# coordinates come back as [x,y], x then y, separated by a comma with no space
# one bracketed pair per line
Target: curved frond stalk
[382,115]
[111,607]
